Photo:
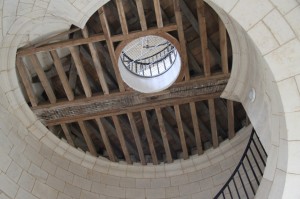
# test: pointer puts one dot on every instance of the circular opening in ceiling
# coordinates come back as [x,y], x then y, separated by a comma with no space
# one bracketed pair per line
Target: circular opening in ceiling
[149,64]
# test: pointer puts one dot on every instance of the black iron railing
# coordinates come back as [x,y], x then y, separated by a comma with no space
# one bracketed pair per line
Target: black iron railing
[246,177]
[152,66]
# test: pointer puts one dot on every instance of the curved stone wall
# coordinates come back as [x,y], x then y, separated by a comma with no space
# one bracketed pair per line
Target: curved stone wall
[35,164]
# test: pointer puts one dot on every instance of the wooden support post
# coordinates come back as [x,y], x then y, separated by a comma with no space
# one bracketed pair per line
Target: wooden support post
[137,138]
[26,82]
[203,37]
[106,141]
[121,139]
[140,9]
[43,78]
[213,123]
[164,135]
[87,138]
[62,75]
[158,15]
[67,133]
[111,49]
[122,16]
[223,46]
[231,131]
[181,132]
[196,127]
[149,137]
[96,61]
[81,72]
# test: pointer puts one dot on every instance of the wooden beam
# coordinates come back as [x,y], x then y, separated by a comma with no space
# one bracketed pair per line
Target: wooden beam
[111,49]
[213,123]
[62,75]
[164,135]
[181,132]
[149,137]
[26,82]
[87,138]
[140,9]
[67,133]
[231,130]
[196,127]
[183,50]
[122,16]
[96,61]
[158,15]
[43,78]
[223,46]
[121,139]
[136,138]
[106,141]
[118,103]
[203,37]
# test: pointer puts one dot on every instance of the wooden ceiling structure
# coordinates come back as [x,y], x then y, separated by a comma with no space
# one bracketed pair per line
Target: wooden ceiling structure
[85,101]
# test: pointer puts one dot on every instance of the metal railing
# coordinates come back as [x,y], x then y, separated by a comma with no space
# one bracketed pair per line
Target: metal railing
[151,66]
[246,177]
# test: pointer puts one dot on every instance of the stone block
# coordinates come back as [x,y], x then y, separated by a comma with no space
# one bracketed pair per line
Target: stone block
[26,181]
[8,186]
[55,183]
[41,190]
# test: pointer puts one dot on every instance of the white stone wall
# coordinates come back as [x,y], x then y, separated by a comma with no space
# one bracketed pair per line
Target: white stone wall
[35,164]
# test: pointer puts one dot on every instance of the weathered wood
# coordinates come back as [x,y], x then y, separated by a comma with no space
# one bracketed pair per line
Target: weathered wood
[149,137]
[231,131]
[118,103]
[137,138]
[122,16]
[43,78]
[111,49]
[106,141]
[26,82]
[181,132]
[213,123]
[223,46]
[183,50]
[164,135]
[67,133]
[121,139]
[203,37]
[87,138]
[140,9]
[62,75]
[158,15]
[81,72]
[97,63]
[196,127]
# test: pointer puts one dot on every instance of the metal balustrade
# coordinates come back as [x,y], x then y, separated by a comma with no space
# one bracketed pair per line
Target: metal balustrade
[152,66]
[245,179]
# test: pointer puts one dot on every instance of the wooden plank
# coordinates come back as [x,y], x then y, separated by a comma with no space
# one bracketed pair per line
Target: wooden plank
[181,132]
[87,138]
[223,46]
[96,61]
[149,137]
[67,134]
[26,82]
[118,103]
[111,49]
[213,123]
[121,139]
[137,138]
[164,135]
[62,75]
[231,131]
[81,72]
[203,37]
[183,50]
[196,127]
[43,78]
[122,16]
[158,14]
[140,9]
[106,141]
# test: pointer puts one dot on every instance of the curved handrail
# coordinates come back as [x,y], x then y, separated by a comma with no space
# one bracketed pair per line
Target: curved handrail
[237,192]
